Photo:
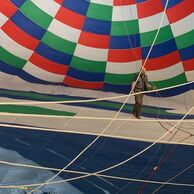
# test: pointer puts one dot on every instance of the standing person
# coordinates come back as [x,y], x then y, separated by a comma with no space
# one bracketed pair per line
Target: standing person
[140,86]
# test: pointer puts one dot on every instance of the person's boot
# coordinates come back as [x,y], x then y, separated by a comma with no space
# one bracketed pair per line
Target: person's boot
[135,110]
[137,115]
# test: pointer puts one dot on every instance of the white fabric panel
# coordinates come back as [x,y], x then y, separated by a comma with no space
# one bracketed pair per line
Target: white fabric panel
[90,53]
[123,68]
[64,31]
[124,13]
[152,22]
[13,47]
[103,2]
[183,26]
[190,75]
[166,73]
[43,74]
[3,19]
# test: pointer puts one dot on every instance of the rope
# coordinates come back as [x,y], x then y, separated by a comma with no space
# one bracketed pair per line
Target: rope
[97,118]
[129,40]
[107,126]
[157,168]
[96,100]
[160,162]
[85,133]
[119,164]
[173,178]
[183,129]
[87,147]
[84,173]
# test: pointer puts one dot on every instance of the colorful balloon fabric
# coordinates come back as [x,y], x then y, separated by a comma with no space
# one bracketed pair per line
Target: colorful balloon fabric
[97,44]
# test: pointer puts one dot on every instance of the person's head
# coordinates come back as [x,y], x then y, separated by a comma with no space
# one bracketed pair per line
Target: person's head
[143,71]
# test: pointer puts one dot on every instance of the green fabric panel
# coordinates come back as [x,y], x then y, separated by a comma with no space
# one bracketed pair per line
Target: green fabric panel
[36,14]
[99,11]
[129,107]
[87,65]
[179,79]
[58,43]
[122,28]
[185,40]
[35,96]
[147,38]
[22,109]
[11,59]
[33,110]
[158,111]
[119,79]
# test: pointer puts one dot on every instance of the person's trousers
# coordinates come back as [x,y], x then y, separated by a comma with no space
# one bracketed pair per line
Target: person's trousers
[138,105]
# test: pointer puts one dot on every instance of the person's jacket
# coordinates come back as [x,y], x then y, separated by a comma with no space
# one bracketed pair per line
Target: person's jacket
[142,83]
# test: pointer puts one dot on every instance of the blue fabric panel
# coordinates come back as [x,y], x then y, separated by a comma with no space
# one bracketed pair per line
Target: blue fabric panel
[160,49]
[18,3]
[166,93]
[140,1]
[27,25]
[117,88]
[53,55]
[78,6]
[85,76]
[171,3]
[174,91]
[187,53]
[124,42]
[112,151]
[97,26]
[20,73]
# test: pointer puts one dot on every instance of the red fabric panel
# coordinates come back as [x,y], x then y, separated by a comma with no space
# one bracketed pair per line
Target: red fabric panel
[59,1]
[48,65]
[180,10]
[19,35]
[188,65]
[124,2]
[124,55]
[70,18]
[7,8]
[162,62]
[94,40]
[149,8]
[83,84]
